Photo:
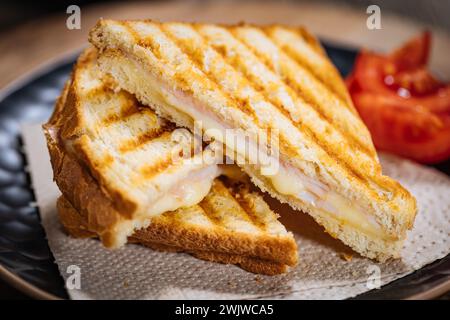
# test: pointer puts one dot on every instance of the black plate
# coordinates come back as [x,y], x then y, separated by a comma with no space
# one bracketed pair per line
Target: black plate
[25,258]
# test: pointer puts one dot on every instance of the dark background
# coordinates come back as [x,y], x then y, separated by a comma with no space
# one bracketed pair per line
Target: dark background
[13,13]
[433,12]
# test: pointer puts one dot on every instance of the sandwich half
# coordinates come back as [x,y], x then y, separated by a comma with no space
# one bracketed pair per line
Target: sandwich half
[261,80]
[107,151]
[230,225]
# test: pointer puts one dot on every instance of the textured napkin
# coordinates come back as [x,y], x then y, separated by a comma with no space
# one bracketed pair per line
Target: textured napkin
[326,270]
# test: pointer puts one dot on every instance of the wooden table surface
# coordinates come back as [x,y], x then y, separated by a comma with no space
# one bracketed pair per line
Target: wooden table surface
[37,44]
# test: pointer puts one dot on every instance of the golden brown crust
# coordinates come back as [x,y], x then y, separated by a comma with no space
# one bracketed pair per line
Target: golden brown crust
[101,218]
[155,237]
[83,192]
[166,231]
[71,220]
[328,75]
[247,263]
[99,215]
[94,133]
[103,211]
[114,138]
[73,126]
[79,187]
[354,152]
[331,142]
[367,245]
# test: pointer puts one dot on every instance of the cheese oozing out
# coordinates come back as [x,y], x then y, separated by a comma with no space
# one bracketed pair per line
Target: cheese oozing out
[185,192]
[287,180]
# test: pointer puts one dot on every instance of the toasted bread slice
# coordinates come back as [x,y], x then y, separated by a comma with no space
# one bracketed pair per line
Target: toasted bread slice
[260,80]
[230,225]
[142,163]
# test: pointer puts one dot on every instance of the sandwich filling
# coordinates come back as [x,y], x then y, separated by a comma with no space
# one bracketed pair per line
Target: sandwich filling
[287,180]
[186,192]
[183,191]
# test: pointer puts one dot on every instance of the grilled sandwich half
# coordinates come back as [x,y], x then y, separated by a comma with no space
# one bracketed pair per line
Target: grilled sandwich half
[260,80]
[138,163]
[230,225]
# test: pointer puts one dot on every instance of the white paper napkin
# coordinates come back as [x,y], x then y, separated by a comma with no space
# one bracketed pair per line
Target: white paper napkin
[323,272]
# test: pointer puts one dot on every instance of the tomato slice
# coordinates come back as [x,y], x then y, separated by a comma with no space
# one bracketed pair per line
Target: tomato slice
[415,133]
[414,53]
[418,82]
[419,89]
[369,72]
[406,109]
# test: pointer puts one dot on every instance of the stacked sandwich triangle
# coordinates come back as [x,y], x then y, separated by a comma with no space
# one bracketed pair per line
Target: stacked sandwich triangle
[111,144]
[113,161]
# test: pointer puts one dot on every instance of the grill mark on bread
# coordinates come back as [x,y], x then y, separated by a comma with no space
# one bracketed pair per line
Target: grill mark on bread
[213,205]
[105,161]
[191,59]
[150,44]
[310,39]
[191,53]
[143,42]
[297,57]
[96,91]
[359,190]
[148,172]
[305,96]
[161,233]
[129,109]
[137,142]
[298,124]
[207,205]
[234,65]
[194,56]
[345,162]
[245,199]
[197,62]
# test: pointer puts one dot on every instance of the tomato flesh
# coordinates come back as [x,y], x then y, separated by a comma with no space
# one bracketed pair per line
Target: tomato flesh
[406,109]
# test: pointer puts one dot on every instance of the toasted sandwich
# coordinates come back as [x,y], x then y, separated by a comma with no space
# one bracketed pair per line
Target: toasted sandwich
[230,225]
[106,151]
[138,163]
[262,79]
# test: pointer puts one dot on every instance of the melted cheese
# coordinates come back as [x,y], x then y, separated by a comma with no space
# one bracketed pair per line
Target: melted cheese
[347,213]
[286,183]
[330,203]
[185,194]
[283,180]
